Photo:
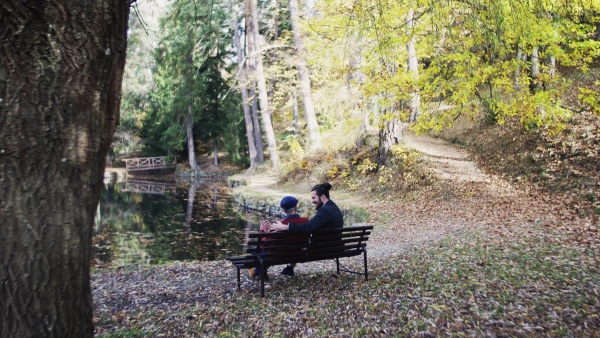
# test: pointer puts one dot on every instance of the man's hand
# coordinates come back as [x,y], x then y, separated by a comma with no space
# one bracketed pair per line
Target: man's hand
[265,226]
[278,226]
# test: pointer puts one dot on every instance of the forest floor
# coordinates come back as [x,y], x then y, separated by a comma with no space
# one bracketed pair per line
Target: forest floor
[472,254]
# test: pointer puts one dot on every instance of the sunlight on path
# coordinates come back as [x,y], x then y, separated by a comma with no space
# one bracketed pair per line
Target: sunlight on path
[449,163]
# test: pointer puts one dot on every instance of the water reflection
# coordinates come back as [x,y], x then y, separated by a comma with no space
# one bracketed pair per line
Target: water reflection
[156,222]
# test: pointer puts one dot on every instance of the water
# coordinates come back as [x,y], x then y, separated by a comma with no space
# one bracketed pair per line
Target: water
[150,222]
[142,222]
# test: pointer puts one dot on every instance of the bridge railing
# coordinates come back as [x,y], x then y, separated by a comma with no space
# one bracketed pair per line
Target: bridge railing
[148,163]
[148,187]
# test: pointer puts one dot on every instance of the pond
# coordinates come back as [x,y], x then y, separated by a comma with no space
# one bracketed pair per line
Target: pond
[153,222]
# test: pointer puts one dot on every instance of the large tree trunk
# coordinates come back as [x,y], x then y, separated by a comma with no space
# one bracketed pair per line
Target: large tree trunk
[244,90]
[262,91]
[390,133]
[413,67]
[250,70]
[309,110]
[60,84]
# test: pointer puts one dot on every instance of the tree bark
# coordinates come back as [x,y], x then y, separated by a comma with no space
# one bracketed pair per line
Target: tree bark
[244,90]
[60,83]
[189,122]
[262,91]
[390,134]
[413,67]
[534,86]
[295,111]
[250,69]
[216,152]
[309,109]
[518,68]
[260,152]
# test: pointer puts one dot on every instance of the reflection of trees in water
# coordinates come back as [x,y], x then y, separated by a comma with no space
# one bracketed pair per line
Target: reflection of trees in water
[190,204]
[197,221]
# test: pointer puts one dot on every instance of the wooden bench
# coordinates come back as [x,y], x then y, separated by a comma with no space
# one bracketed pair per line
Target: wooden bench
[277,248]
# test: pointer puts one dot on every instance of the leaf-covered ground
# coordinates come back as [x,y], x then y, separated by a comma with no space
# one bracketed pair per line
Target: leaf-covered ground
[458,258]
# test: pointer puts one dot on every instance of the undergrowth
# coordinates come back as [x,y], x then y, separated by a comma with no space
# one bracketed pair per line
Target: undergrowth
[358,170]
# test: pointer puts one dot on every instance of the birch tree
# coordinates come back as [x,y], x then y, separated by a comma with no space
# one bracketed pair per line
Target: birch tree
[244,89]
[262,90]
[413,67]
[309,110]
[251,71]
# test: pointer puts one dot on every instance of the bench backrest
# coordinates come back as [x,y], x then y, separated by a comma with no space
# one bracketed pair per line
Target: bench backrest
[283,245]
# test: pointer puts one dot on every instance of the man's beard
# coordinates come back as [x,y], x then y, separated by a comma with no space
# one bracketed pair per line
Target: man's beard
[318,205]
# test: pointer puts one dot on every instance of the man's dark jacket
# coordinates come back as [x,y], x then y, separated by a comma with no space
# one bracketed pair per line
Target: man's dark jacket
[329,216]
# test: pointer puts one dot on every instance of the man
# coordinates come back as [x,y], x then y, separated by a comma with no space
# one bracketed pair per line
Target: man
[289,204]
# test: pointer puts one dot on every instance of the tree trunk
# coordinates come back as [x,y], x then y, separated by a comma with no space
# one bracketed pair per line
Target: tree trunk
[413,67]
[250,66]
[260,149]
[535,70]
[295,111]
[552,66]
[189,122]
[262,91]
[244,90]
[389,134]
[309,110]
[216,152]
[60,83]
[518,69]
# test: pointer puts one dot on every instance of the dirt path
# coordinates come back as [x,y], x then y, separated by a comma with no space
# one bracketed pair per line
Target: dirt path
[449,163]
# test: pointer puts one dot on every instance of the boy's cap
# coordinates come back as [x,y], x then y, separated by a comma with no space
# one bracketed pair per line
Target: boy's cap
[288,202]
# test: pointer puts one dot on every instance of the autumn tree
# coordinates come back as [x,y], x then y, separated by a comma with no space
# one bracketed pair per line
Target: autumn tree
[262,88]
[243,88]
[60,83]
[309,110]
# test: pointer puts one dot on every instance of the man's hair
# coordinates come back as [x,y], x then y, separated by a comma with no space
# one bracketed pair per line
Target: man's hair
[322,189]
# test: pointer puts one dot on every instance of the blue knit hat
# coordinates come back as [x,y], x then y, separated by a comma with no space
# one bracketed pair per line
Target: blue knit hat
[288,202]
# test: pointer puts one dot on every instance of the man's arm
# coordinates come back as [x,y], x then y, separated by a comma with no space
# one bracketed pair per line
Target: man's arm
[318,221]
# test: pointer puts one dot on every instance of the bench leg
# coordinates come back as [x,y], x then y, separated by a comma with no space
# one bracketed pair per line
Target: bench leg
[366,271]
[337,262]
[238,279]
[262,280]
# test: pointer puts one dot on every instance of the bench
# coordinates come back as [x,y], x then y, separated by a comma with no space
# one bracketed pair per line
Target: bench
[277,248]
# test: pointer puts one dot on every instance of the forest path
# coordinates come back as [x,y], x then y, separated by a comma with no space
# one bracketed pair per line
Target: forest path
[448,162]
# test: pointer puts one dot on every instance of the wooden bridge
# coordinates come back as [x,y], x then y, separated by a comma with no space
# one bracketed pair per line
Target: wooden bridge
[148,163]
[148,187]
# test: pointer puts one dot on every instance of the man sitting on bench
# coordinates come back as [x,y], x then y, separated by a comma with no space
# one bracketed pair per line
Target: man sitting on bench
[328,216]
